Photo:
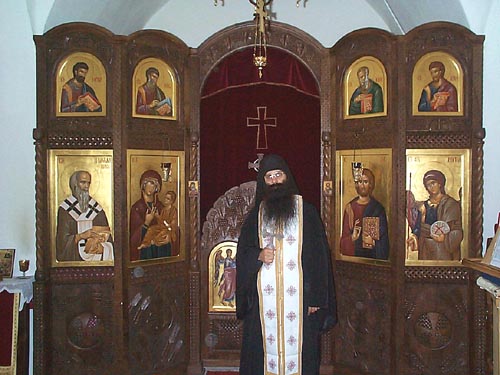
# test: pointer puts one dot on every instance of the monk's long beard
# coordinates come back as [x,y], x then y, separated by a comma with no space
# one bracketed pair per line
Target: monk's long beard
[83,198]
[279,204]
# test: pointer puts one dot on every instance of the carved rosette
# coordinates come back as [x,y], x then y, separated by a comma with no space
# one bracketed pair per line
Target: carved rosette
[436,329]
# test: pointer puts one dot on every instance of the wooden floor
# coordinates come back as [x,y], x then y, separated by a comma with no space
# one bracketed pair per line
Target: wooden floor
[221,371]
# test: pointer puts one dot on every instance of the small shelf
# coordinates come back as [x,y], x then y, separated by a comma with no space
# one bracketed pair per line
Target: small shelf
[476,264]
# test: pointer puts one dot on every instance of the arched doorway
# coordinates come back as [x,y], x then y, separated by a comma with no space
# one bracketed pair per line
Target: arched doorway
[242,116]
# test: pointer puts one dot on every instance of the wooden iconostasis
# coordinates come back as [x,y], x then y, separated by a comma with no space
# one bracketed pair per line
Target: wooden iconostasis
[146,153]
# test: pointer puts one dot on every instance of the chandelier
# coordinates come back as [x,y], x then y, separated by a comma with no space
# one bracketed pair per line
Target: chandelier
[260,41]
[261,19]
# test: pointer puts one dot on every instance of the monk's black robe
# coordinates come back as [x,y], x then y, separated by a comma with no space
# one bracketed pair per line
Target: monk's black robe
[318,289]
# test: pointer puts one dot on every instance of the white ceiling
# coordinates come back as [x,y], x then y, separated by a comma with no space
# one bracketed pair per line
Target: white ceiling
[195,20]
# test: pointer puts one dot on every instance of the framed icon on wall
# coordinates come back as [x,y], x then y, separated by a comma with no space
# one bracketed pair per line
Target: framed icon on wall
[437,205]
[363,204]
[7,262]
[156,200]
[154,90]
[365,89]
[81,207]
[222,277]
[80,86]
[437,86]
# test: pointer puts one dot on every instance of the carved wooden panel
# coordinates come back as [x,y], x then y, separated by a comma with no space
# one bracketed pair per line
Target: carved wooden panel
[85,314]
[156,133]
[81,140]
[327,201]
[464,46]
[82,328]
[157,334]
[363,335]
[225,334]
[437,328]
[225,218]
[62,41]
[380,45]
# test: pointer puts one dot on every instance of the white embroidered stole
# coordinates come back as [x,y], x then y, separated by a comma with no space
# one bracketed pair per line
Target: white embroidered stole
[280,296]
[84,222]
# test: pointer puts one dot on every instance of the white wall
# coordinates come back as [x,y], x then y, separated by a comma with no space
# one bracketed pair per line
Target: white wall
[491,119]
[17,120]
[179,16]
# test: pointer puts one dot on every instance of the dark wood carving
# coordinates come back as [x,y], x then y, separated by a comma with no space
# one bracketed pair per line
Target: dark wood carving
[156,320]
[221,332]
[481,341]
[436,324]
[477,196]
[328,196]
[93,308]
[81,328]
[81,141]
[63,41]
[364,329]
[225,334]
[225,218]
[150,318]
[281,35]
[463,45]
[154,133]
[194,265]
[157,297]
[375,130]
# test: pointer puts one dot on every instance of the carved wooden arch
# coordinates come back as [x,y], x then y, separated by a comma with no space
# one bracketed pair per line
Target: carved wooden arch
[225,218]
[295,41]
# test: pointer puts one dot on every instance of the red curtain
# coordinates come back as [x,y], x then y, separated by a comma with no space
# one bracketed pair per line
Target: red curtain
[242,115]
[6,311]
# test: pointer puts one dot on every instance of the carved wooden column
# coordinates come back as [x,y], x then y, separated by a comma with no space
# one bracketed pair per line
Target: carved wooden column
[327,213]
[39,317]
[327,340]
[194,269]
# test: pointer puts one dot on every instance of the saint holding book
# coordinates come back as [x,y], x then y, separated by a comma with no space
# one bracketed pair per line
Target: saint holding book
[440,95]
[368,97]
[151,100]
[77,95]
[364,224]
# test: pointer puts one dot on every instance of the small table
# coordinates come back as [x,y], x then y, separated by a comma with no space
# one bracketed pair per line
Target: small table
[15,295]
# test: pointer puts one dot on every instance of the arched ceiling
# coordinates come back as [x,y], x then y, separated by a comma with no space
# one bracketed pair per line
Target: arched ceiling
[195,20]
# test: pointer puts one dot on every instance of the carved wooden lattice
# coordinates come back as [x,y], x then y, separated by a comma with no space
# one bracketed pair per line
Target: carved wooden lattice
[225,218]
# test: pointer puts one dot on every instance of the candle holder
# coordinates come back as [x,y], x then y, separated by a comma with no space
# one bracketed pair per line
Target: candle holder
[357,170]
[24,265]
